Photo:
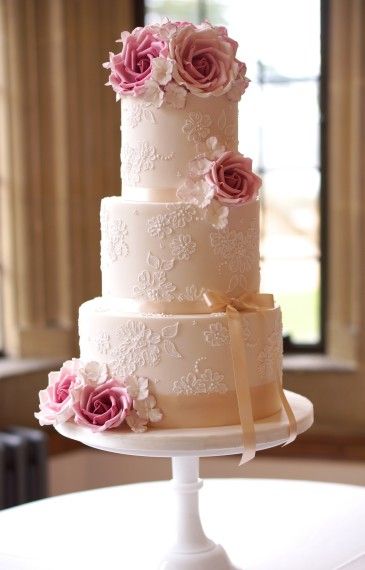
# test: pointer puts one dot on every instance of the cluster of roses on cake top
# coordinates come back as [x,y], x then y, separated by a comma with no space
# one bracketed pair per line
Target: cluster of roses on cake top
[89,395]
[162,64]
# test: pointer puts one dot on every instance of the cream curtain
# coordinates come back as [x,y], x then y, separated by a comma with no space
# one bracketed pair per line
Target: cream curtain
[346,191]
[60,143]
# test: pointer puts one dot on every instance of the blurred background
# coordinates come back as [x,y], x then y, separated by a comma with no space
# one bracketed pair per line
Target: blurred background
[302,122]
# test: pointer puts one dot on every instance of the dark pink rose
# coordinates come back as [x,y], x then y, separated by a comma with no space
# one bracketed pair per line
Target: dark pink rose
[103,407]
[205,59]
[232,179]
[57,400]
[130,69]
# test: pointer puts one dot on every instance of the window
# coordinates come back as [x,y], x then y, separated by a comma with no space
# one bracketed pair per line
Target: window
[281,128]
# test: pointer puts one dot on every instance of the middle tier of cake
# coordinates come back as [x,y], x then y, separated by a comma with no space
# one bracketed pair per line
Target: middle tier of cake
[188,359]
[168,252]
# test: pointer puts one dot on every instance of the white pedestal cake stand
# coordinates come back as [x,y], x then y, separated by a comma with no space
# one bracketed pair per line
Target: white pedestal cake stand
[192,549]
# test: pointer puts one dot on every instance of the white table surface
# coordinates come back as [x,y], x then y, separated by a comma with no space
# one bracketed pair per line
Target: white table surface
[262,524]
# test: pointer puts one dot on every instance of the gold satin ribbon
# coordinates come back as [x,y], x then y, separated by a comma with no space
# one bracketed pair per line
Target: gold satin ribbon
[248,302]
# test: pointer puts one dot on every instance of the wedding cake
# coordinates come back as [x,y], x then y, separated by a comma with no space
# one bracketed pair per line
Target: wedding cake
[181,336]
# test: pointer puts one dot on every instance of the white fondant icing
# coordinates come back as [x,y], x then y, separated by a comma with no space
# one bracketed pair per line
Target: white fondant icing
[238,253]
[174,254]
[138,343]
[149,132]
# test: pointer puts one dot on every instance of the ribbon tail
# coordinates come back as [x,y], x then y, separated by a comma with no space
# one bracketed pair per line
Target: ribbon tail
[293,429]
[241,379]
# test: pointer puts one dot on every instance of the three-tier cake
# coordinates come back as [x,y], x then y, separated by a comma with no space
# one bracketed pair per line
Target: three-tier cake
[181,336]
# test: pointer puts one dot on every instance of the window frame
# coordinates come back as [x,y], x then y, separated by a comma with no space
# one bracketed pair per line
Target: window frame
[291,347]
[321,345]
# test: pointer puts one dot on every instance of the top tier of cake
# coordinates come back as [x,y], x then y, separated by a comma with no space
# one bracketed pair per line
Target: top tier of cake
[180,85]
[159,143]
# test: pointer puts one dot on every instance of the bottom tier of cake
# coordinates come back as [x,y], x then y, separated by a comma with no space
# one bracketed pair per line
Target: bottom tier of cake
[187,358]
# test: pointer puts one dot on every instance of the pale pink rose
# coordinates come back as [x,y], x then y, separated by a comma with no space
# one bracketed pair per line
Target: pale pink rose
[132,67]
[205,59]
[57,400]
[232,178]
[103,407]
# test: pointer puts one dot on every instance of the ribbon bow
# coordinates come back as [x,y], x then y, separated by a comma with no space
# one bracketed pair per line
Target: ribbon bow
[248,302]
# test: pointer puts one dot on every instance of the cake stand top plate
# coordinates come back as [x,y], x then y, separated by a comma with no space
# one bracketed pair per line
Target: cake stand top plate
[202,442]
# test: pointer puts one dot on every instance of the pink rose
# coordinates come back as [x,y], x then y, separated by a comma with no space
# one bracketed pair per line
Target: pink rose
[232,178]
[57,400]
[131,68]
[103,407]
[205,59]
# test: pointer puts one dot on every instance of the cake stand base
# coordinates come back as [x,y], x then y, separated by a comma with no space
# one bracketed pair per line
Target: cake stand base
[213,559]
[192,549]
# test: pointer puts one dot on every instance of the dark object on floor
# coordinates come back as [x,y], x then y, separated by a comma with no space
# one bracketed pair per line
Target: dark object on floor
[23,466]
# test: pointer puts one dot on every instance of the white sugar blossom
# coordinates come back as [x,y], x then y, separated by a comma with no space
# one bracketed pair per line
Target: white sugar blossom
[165,30]
[144,404]
[175,95]
[93,373]
[238,88]
[146,409]
[162,70]
[213,149]
[217,215]
[137,387]
[199,192]
[199,166]
[153,94]
[73,366]
[136,423]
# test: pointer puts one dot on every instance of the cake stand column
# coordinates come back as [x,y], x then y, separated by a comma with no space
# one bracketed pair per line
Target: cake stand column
[192,549]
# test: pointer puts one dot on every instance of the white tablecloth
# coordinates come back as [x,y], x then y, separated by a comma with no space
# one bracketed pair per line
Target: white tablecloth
[262,524]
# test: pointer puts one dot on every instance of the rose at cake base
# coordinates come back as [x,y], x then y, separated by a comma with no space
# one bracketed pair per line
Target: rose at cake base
[181,336]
